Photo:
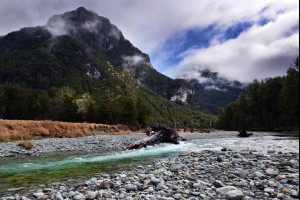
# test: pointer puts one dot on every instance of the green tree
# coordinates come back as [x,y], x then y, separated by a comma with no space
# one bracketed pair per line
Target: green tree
[290,95]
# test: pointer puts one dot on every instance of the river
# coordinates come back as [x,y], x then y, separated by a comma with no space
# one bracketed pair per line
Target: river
[30,172]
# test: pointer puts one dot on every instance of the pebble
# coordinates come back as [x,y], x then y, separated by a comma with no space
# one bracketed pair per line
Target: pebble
[225,190]
[218,184]
[235,195]
[272,172]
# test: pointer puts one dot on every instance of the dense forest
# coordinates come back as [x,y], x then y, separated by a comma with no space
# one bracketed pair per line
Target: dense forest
[272,104]
[120,99]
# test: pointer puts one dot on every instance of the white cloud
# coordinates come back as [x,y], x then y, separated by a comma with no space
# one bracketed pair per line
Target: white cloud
[57,26]
[213,87]
[148,24]
[260,52]
[129,61]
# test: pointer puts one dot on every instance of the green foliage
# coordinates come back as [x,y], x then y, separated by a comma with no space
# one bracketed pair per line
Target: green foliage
[272,104]
[118,101]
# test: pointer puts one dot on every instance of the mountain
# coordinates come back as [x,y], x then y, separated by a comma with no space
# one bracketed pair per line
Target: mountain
[213,92]
[80,67]
[79,38]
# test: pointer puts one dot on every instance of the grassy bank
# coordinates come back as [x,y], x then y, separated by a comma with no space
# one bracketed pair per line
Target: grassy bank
[13,130]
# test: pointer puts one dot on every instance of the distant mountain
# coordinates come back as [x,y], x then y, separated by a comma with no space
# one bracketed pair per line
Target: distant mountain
[213,91]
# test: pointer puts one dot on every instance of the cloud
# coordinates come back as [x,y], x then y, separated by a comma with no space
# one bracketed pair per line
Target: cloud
[130,61]
[57,26]
[260,52]
[213,87]
[92,26]
[150,24]
[115,33]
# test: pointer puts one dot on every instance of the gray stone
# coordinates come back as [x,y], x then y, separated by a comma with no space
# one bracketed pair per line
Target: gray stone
[128,198]
[107,195]
[131,188]
[269,190]
[25,198]
[72,194]
[9,198]
[155,181]
[91,195]
[225,190]
[218,184]
[39,195]
[123,176]
[47,190]
[79,197]
[58,196]
[63,188]
[272,184]
[150,190]
[272,172]
[235,195]
[17,197]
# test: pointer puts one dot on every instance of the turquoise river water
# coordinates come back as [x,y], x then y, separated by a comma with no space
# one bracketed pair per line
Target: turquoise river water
[32,172]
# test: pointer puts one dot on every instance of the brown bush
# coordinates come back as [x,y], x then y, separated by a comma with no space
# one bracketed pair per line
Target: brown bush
[26,145]
[14,130]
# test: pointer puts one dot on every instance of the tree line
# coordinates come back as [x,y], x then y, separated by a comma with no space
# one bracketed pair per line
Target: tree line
[117,100]
[272,104]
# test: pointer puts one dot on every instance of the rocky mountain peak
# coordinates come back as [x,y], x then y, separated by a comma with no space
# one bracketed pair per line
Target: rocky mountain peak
[77,21]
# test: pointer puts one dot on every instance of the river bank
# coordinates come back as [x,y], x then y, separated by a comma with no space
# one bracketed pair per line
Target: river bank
[99,143]
[209,166]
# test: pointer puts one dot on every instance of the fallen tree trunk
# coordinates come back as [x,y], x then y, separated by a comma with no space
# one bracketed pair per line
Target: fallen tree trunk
[157,135]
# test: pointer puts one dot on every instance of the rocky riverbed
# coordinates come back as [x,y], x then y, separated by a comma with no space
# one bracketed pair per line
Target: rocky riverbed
[101,143]
[268,172]
[205,175]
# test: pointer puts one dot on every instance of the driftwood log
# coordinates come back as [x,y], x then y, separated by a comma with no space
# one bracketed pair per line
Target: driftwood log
[243,133]
[157,135]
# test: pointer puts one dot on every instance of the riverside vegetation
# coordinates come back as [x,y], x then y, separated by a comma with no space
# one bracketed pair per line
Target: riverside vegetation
[13,130]
[272,104]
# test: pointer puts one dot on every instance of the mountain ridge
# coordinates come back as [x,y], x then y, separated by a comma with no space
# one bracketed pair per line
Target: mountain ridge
[79,49]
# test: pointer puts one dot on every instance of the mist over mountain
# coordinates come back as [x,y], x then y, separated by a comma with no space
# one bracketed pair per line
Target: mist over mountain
[82,50]
[213,91]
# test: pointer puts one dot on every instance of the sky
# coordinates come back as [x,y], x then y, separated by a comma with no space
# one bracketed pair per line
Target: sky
[240,39]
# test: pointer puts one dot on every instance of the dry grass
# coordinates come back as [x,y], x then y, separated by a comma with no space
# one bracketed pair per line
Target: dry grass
[26,145]
[12,130]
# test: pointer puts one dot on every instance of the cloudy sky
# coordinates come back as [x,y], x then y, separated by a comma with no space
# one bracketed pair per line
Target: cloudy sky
[240,39]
